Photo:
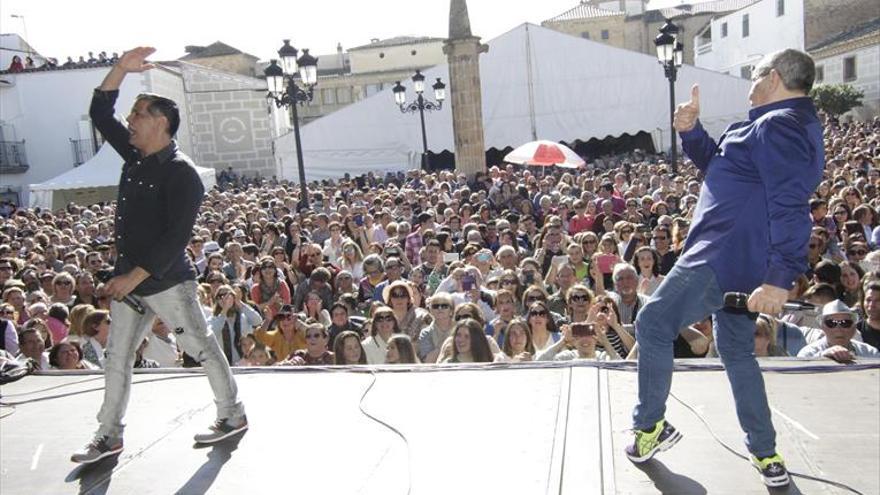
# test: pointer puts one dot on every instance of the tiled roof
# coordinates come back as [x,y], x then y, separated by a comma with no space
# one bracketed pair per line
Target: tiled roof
[215,49]
[397,41]
[869,27]
[583,11]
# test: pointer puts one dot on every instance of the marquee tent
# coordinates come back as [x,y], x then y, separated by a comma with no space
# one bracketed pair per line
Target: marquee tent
[536,84]
[94,181]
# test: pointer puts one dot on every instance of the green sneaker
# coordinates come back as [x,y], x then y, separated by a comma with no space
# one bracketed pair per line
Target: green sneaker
[646,444]
[772,470]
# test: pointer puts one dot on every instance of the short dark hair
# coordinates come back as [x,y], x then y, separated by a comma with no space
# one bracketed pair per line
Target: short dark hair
[159,106]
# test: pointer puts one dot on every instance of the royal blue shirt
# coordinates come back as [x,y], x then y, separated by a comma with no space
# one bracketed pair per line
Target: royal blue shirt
[752,222]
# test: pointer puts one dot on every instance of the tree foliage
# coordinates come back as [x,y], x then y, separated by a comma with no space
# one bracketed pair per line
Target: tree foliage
[836,99]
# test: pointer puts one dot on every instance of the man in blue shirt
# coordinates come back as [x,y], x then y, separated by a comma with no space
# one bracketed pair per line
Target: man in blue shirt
[749,234]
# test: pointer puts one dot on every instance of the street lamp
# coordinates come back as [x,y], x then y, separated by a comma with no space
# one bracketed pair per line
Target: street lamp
[670,53]
[420,104]
[285,92]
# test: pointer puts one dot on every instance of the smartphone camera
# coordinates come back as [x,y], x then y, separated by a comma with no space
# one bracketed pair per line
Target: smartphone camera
[583,329]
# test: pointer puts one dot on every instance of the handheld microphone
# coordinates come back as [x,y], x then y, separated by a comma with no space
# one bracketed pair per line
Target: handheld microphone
[738,301]
[129,300]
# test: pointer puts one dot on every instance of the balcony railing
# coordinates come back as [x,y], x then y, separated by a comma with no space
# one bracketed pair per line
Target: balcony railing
[82,149]
[13,159]
[704,48]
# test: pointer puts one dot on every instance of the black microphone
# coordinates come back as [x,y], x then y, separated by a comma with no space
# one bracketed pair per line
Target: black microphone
[104,276]
[738,301]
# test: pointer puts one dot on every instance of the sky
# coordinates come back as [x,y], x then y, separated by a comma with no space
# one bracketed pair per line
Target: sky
[72,28]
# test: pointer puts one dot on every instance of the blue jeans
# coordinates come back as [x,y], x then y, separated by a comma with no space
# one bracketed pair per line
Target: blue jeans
[686,296]
[179,309]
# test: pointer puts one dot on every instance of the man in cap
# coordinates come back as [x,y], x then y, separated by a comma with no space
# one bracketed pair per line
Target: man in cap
[839,325]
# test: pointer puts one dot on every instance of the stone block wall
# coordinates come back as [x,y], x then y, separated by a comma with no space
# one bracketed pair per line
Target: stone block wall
[229,121]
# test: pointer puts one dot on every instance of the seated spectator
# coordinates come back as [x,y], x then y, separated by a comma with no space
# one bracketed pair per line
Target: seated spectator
[32,346]
[433,336]
[68,356]
[518,346]
[57,321]
[232,319]
[163,346]
[869,327]
[347,349]
[96,329]
[400,350]
[316,352]
[77,316]
[340,322]
[410,318]
[839,326]
[469,343]
[283,334]
[766,341]
[259,355]
[382,327]
[8,333]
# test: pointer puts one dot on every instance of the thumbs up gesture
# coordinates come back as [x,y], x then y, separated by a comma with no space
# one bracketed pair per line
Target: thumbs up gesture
[686,114]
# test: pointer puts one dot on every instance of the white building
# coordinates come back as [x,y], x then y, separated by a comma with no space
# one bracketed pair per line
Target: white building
[736,42]
[853,57]
[45,128]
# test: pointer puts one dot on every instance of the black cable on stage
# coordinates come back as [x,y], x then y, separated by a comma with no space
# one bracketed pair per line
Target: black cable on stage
[733,451]
[393,429]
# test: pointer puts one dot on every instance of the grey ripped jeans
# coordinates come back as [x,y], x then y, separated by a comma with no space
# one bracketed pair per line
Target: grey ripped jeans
[179,309]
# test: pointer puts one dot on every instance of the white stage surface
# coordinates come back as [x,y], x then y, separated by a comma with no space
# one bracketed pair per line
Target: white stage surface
[533,429]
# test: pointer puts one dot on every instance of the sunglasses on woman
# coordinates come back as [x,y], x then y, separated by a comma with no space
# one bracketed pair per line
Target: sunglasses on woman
[440,306]
[538,313]
[384,317]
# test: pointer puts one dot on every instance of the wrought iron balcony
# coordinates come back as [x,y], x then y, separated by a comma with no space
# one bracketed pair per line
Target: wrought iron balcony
[13,159]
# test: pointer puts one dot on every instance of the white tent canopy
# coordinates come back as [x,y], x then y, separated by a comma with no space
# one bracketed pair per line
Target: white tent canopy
[536,84]
[94,181]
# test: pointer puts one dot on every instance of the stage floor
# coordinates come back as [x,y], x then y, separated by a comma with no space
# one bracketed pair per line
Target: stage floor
[521,430]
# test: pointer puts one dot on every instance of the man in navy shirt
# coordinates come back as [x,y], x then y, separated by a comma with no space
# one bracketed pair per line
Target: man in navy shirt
[749,234]
[159,197]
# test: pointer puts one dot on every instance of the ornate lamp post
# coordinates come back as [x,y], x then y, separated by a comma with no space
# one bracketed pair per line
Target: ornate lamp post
[670,52]
[285,92]
[421,104]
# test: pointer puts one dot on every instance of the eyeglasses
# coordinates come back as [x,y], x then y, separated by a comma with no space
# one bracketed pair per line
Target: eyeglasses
[509,281]
[845,323]
[400,295]
[384,317]
[312,336]
[440,306]
[267,267]
[626,231]
[532,299]
[840,212]
[538,313]
[7,312]
[580,298]
[857,252]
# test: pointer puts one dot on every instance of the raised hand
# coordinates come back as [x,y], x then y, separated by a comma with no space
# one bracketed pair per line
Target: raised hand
[135,60]
[686,114]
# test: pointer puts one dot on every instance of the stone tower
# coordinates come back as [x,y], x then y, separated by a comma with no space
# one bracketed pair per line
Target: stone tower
[463,51]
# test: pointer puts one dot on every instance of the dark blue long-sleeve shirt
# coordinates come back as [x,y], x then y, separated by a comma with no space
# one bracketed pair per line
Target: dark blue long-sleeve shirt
[752,221]
[157,204]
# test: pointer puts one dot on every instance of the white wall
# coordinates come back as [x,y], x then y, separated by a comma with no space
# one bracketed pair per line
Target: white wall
[45,109]
[767,33]
[867,77]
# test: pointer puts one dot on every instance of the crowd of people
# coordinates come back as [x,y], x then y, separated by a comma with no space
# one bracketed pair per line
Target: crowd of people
[512,265]
[17,64]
